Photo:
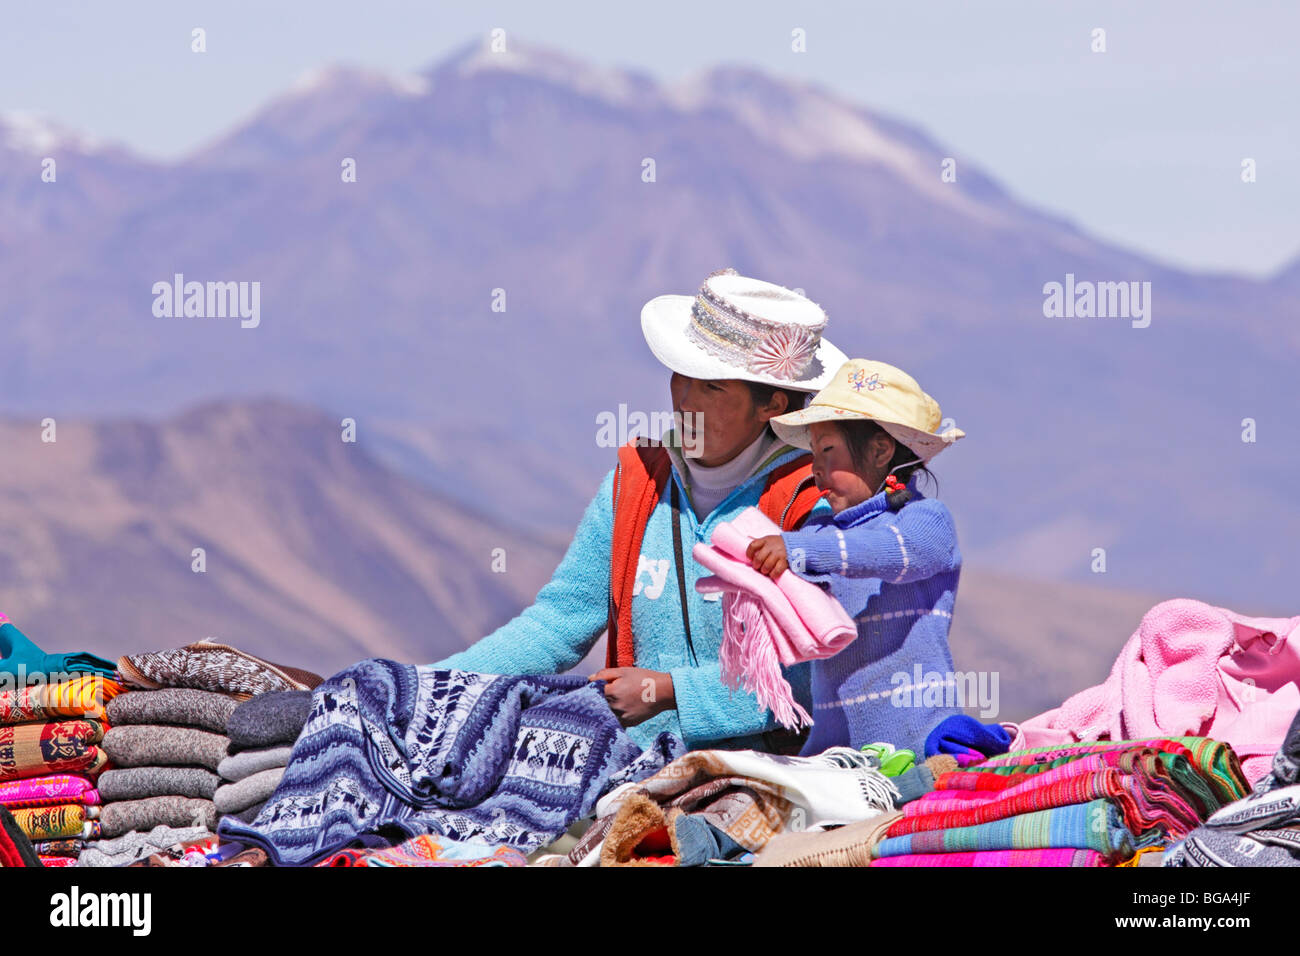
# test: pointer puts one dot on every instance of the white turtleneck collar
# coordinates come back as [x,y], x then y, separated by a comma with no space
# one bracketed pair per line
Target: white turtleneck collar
[710,486]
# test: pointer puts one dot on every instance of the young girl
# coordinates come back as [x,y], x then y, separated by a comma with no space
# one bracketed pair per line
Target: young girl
[888,553]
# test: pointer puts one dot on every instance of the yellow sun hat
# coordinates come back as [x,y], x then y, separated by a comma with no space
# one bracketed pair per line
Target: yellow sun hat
[888,396]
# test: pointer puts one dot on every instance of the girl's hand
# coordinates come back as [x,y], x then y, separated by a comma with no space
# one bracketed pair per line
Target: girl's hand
[635,694]
[767,555]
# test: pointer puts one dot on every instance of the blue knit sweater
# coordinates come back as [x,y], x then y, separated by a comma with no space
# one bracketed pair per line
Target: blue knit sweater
[569,615]
[896,574]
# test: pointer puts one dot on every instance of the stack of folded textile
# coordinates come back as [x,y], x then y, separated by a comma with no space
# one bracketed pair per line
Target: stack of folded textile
[262,733]
[52,719]
[167,741]
[165,746]
[1091,804]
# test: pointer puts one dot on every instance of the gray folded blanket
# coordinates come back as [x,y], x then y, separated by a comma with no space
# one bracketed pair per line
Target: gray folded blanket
[248,762]
[134,847]
[249,815]
[233,797]
[203,709]
[151,745]
[139,782]
[268,719]
[127,815]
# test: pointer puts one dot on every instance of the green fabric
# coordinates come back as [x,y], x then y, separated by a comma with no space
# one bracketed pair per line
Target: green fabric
[17,651]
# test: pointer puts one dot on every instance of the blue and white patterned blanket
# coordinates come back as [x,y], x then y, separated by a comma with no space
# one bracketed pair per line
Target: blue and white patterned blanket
[392,751]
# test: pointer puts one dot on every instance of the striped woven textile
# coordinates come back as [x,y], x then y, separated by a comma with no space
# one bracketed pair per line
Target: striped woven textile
[68,846]
[48,791]
[53,823]
[1172,781]
[79,697]
[58,861]
[35,750]
[1209,790]
[1213,758]
[998,858]
[1142,804]
[1095,825]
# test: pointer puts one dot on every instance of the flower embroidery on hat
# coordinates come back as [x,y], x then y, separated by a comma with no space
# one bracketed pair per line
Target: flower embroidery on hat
[859,381]
[784,353]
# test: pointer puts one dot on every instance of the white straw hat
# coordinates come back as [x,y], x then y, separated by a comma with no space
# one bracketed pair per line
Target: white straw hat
[741,328]
[888,396]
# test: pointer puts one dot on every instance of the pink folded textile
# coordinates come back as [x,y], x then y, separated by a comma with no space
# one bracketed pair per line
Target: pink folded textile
[1057,857]
[767,623]
[1191,669]
[48,791]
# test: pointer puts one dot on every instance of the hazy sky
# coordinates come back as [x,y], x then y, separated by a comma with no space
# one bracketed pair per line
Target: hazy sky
[1141,144]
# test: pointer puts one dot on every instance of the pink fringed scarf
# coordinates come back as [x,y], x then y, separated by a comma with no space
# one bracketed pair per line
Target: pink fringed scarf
[767,623]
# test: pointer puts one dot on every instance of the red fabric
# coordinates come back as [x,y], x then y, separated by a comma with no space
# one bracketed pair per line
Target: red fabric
[639,481]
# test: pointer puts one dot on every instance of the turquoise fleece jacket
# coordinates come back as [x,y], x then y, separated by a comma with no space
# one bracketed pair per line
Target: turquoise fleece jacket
[569,615]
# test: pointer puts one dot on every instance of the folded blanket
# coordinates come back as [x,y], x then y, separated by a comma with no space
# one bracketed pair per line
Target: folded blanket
[201,709]
[248,762]
[426,850]
[21,660]
[844,846]
[48,791]
[136,846]
[268,720]
[390,748]
[137,783]
[127,815]
[79,697]
[1095,825]
[767,623]
[208,665]
[36,750]
[15,847]
[153,745]
[234,797]
[68,846]
[249,814]
[53,823]
[1059,857]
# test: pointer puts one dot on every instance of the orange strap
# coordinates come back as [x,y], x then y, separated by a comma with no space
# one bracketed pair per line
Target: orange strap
[639,481]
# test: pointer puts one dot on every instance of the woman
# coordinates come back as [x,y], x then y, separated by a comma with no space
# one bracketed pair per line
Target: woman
[741,351]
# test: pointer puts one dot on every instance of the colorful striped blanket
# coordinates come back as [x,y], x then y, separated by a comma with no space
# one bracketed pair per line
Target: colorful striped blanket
[1096,825]
[1214,760]
[998,858]
[48,791]
[53,823]
[392,751]
[79,697]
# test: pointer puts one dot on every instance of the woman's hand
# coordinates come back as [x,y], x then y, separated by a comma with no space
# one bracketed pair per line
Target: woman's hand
[767,555]
[636,694]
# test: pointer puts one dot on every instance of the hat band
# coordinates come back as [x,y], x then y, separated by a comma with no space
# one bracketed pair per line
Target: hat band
[779,351]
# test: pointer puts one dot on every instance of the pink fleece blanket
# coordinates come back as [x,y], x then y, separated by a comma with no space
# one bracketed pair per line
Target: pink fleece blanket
[767,623]
[1190,669]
